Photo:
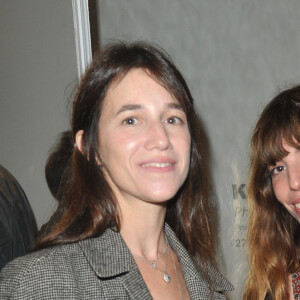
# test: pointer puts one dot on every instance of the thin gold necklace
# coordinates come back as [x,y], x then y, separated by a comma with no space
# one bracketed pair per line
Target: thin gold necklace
[153,263]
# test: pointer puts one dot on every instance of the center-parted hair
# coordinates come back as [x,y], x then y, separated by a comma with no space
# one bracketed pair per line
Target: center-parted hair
[88,206]
[273,233]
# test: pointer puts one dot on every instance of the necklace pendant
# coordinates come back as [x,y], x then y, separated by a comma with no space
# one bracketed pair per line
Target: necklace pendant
[167,278]
[153,264]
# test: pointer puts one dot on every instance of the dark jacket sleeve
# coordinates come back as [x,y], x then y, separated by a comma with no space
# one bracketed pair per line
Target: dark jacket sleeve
[17,223]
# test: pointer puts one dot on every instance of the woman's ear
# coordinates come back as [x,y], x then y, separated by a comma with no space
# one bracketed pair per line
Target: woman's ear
[79,140]
[79,144]
[98,161]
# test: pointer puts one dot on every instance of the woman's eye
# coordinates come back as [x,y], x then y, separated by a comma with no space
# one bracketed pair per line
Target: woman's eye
[130,121]
[174,120]
[277,170]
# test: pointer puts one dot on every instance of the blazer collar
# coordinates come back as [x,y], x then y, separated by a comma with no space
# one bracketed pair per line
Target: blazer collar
[195,281]
[109,256]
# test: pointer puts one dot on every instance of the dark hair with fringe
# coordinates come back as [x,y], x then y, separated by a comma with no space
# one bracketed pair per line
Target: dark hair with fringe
[273,233]
[88,206]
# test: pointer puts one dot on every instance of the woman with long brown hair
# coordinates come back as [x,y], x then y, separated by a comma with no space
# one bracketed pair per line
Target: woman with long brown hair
[274,201]
[133,220]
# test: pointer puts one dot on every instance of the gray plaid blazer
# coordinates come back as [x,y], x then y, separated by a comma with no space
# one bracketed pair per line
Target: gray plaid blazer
[96,268]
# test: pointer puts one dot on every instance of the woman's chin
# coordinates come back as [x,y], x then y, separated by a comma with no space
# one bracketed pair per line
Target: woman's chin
[160,197]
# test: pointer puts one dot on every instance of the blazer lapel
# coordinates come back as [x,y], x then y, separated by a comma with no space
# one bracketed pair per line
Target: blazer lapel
[135,285]
[109,257]
[197,286]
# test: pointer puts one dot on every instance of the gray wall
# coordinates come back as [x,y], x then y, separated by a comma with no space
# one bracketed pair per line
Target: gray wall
[236,55]
[37,73]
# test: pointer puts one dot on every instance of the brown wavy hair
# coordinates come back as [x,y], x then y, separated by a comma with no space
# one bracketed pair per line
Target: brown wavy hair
[273,233]
[87,205]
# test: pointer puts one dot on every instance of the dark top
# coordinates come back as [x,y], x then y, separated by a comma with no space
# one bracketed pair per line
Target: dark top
[17,223]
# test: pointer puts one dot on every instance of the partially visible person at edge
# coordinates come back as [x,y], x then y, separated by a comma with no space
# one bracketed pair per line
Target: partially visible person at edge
[274,201]
[17,223]
[132,221]
[58,163]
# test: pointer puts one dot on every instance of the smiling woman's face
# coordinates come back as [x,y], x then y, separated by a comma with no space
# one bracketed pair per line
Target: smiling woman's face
[286,181]
[144,140]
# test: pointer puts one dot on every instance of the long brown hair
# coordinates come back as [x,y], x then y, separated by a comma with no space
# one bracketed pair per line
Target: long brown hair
[87,206]
[273,234]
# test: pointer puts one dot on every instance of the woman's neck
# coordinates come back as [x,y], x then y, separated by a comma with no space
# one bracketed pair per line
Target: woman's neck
[142,228]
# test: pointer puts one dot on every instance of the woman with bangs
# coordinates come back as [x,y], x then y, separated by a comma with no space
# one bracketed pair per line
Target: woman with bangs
[274,201]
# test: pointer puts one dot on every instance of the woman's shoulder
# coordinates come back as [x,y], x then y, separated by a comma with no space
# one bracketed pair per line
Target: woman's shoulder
[39,259]
[40,268]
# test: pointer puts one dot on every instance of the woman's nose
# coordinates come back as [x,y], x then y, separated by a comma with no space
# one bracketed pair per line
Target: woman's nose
[294,177]
[157,136]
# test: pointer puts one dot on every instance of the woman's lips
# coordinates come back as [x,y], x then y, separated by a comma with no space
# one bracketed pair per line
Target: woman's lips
[296,203]
[158,164]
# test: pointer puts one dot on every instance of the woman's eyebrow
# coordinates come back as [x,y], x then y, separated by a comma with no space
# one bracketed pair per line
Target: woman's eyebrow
[128,107]
[175,106]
